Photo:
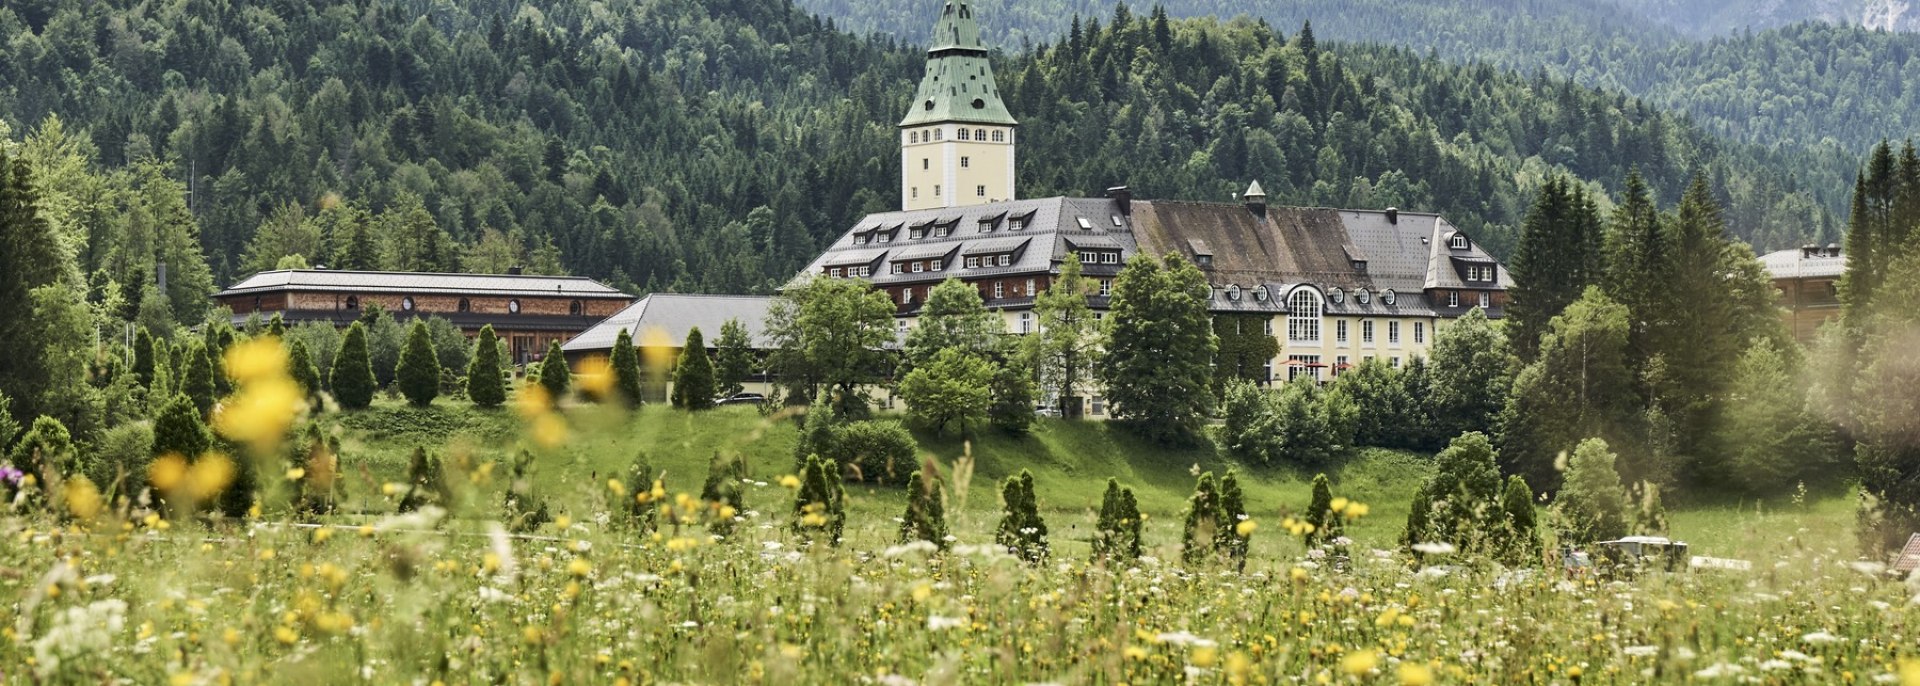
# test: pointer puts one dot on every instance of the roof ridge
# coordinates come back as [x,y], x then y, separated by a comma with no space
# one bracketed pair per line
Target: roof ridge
[410,273]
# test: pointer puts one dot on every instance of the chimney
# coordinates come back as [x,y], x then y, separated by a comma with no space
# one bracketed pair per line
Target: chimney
[516,270]
[1256,200]
[1393,216]
[1123,197]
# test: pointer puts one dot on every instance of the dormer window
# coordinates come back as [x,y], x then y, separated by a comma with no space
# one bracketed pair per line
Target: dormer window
[834,272]
[1110,258]
[934,266]
[973,263]
[1387,297]
[1204,261]
[1362,296]
[1233,293]
[1006,260]
[919,267]
[1260,294]
[1360,266]
[915,233]
[1458,242]
[1017,224]
[1336,295]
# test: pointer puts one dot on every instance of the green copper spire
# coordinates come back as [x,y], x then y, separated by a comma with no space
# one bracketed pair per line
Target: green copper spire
[959,83]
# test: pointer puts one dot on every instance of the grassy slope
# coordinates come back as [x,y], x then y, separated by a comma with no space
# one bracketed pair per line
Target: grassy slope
[1071,462]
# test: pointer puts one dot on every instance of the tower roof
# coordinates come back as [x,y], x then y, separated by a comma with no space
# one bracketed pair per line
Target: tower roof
[958,86]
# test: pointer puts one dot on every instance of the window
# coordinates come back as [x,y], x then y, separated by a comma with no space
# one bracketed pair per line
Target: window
[1110,258]
[966,162]
[1006,260]
[925,164]
[1303,317]
[1485,300]
[919,267]
[1366,332]
[939,134]
[465,305]
[1453,298]
[1340,331]
[353,302]
[980,191]
[916,191]
[513,306]
[1233,293]
[913,137]
[1393,362]
[1084,224]
[1026,322]
[1099,405]
[999,136]
[979,134]
[1267,324]
[966,134]
[575,308]
[406,304]
[1030,290]
[1362,296]
[915,233]
[1387,297]
[900,326]
[1116,221]
[1260,294]
[897,267]
[1337,296]
[1419,333]
[1457,242]
[834,272]
[906,296]
[1303,365]
[999,289]
[1393,333]
[936,190]
[1106,287]
[1017,224]
[935,266]
[1340,364]
[973,263]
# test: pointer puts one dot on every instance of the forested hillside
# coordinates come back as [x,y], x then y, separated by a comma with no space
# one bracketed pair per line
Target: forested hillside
[675,144]
[1793,85]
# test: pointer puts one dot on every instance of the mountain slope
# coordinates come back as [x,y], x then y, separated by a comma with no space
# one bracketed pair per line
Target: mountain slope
[1726,17]
[714,145]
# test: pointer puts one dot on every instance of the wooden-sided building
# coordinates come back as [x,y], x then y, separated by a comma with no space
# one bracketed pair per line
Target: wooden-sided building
[1809,283]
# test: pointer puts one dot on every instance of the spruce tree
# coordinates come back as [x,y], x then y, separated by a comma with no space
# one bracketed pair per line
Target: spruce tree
[644,491]
[1559,256]
[485,387]
[1320,513]
[199,383]
[1419,527]
[236,501]
[524,509]
[926,517]
[1022,532]
[693,376]
[1106,529]
[352,380]
[1228,539]
[426,482]
[300,368]
[735,360]
[626,370]
[722,492]
[179,430]
[1521,531]
[554,374]
[143,357]
[418,372]
[1203,522]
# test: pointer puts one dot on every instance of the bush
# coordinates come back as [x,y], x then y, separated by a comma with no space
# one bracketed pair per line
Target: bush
[926,516]
[1521,533]
[876,451]
[820,506]
[1118,531]
[1230,540]
[46,448]
[317,491]
[644,488]
[1012,409]
[418,373]
[722,493]
[1327,524]
[525,510]
[179,431]
[426,482]
[1302,424]
[120,462]
[1203,521]
[1592,504]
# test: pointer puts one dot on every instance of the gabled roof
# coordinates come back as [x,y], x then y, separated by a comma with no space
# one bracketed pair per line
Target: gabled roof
[1804,263]
[334,281]
[1036,248]
[669,316]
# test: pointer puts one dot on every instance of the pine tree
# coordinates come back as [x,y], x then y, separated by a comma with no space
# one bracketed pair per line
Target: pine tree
[143,357]
[1022,532]
[1559,256]
[352,380]
[34,267]
[1157,368]
[300,368]
[626,370]
[1638,263]
[1203,522]
[1521,532]
[1593,503]
[926,517]
[554,374]
[418,372]
[734,363]
[199,383]
[485,387]
[693,376]
[1230,540]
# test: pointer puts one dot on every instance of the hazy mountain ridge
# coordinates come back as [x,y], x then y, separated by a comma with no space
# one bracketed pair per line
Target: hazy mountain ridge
[1733,16]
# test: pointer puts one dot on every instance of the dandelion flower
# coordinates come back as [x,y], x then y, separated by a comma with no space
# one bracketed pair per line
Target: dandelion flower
[1245,528]
[1359,662]
[1414,674]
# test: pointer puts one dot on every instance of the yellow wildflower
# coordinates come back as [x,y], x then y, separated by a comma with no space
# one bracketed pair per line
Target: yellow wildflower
[83,499]
[579,567]
[1359,662]
[1412,674]
[1245,528]
[790,482]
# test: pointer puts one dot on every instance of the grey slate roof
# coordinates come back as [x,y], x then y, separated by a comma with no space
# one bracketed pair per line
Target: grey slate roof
[1050,220]
[672,315]
[1798,264]
[328,280]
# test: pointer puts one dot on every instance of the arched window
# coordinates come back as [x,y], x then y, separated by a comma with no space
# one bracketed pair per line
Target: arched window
[1458,241]
[465,305]
[1260,293]
[999,136]
[573,308]
[1337,296]
[1362,296]
[979,134]
[353,302]
[966,134]
[939,134]
[1233,293]
[1387,297]
[1303,317]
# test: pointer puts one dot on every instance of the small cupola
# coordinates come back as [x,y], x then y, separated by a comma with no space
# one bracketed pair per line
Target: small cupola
[1256,199]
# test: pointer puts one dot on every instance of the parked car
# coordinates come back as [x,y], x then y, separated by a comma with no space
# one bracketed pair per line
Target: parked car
[741,399]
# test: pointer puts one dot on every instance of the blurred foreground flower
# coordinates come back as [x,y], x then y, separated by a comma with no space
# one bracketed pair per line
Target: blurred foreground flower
[267,400]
